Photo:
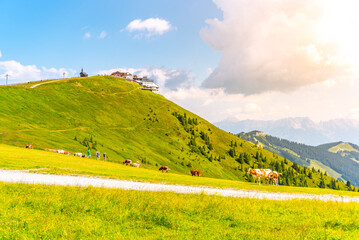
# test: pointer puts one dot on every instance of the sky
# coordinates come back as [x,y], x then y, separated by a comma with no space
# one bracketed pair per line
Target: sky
[222,59]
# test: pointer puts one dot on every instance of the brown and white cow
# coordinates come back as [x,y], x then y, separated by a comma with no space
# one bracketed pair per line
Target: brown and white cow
[196,173]
[136,164]
[29,146]
[127,162]
[273,177]
[164,168]
[259,174]
[60,151]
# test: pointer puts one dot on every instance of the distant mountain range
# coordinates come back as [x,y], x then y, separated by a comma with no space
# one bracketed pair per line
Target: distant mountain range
[340,160]
[302,130]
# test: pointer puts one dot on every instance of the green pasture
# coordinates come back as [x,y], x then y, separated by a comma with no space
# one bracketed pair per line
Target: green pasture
[51,212]
[342,146]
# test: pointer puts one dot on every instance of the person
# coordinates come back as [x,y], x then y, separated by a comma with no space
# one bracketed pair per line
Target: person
[89,153]
[104,156]
[98,155]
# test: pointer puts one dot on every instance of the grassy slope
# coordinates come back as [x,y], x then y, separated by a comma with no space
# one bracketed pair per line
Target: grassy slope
[318,165]
[113,112]
[344,147]
[48,212]
[125,122]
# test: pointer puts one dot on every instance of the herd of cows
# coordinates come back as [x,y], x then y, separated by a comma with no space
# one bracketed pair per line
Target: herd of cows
[257,174]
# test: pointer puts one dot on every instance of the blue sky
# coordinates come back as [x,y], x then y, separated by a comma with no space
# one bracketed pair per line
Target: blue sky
[51,34]
[222,59]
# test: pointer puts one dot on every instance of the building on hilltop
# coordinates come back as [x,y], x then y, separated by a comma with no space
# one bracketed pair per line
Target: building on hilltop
[145,82]
[83,74]
[127,76]
[148,84]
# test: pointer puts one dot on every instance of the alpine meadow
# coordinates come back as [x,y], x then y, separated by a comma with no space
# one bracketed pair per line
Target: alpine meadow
[115,116]
[206,119]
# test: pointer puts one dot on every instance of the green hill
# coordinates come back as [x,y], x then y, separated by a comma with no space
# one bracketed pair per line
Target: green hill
[116,117]
[339,160]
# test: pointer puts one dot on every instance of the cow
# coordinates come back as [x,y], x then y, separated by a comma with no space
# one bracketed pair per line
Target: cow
[67,153]
[78,154]
[164,168]
[29,146]
[274,176]
[196,173]
[84,156]
[127,162]
[60,151]
[259,174]
[136,164]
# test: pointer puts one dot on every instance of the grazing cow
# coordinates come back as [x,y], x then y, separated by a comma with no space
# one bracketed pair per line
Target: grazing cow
[60,151]
[259,174]
[274,176]
[196,173]
[78,154]
[29,146]
[67,153]
[136,164]
[84,155]
[164,168]
[127,162]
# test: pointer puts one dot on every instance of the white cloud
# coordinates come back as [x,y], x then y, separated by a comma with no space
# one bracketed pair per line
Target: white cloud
[282,45]
[149,27]
[167,79]
[87,35]
[102,35]
[24,73]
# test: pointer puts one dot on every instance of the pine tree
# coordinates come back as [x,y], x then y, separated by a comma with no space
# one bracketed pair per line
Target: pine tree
[322,184]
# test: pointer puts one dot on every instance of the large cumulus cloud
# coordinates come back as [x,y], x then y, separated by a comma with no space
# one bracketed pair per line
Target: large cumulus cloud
[274,45]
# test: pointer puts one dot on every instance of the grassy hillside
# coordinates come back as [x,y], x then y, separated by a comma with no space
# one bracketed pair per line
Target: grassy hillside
[326,158]
[49,212]
[342,147]
[116,117]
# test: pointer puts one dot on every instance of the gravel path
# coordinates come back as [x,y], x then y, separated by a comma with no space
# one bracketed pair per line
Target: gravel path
[17,176]
[39,84]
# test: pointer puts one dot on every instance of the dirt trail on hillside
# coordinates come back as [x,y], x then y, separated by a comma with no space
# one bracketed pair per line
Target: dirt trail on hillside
[17,176]
[39,84]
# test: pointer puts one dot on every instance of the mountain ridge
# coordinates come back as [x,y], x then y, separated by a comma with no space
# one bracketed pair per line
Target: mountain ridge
[300,129]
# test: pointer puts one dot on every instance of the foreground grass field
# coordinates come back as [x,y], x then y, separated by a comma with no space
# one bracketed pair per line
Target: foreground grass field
[48,212]
[48,162]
